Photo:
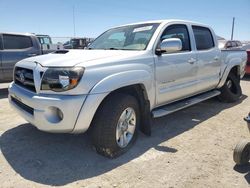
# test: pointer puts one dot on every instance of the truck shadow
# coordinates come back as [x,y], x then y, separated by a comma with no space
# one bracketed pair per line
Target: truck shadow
[245,169]
[59,159]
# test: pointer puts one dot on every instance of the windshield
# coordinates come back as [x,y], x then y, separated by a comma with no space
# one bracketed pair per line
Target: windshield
[133,37]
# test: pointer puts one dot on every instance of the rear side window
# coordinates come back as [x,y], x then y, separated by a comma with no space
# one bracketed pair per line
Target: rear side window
[203,38]
[16,42]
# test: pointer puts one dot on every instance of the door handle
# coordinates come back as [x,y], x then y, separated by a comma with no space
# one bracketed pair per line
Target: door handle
[191,61]
[216,58]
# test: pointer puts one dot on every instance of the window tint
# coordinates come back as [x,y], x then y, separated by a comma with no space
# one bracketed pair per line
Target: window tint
[203,38]
[16,42]
[178,31]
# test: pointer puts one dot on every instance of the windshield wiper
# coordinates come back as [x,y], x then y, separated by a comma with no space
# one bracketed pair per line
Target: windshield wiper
[111,49]
[104,48]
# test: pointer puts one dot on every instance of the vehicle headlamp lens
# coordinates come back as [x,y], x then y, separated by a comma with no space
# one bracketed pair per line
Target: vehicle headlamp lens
[61,79]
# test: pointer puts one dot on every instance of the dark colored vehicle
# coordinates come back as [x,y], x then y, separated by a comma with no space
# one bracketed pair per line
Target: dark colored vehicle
[248,63]
[13,48]
[77,43]
[231,44]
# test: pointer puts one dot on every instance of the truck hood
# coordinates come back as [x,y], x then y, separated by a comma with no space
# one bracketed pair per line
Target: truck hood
[71,58]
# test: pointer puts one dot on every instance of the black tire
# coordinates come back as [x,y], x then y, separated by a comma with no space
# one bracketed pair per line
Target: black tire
[241,154]
[231,90]
[103,128]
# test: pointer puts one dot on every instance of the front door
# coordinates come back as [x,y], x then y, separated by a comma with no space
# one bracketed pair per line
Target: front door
[176,72]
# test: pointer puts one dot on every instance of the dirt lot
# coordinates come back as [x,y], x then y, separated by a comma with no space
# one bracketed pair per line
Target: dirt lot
[190,148]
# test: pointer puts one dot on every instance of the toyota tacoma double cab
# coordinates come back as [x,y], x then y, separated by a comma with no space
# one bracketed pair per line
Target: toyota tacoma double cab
[127,76]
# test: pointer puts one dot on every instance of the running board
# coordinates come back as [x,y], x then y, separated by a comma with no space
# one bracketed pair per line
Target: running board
[170,108]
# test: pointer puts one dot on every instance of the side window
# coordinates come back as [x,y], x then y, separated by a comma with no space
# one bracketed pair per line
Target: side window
[234,44]
[229,45]
[203,38]
[239,43]
[178,31]
[16,42]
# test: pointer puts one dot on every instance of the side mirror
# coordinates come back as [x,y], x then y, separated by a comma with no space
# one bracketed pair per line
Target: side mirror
[170,45]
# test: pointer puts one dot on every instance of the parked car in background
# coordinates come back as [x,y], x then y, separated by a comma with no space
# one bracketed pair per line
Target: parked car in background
[126,76]
[47,44]
[230,44]
[248,63]
[13,48]
[77,43]
[246,46]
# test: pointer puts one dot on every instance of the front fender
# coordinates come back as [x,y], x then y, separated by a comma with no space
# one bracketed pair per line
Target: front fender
[123,79]
[107,85]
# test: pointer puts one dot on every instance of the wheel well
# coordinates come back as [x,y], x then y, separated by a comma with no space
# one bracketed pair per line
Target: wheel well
[139,92]
[236,71]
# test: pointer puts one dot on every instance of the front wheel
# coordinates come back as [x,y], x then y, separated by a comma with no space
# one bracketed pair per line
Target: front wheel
[231,90]
[115,125]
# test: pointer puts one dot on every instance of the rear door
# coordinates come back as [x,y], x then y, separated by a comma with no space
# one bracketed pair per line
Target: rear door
[208,56]
[15,48]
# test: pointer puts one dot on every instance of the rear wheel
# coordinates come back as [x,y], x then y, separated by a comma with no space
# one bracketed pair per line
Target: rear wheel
[115,126]
[231,90]
[241,154]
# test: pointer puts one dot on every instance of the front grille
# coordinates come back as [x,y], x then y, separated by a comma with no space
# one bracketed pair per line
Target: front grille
[23,106]
[24,78]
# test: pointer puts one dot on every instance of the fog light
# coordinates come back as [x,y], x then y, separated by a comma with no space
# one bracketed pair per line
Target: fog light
[53,114]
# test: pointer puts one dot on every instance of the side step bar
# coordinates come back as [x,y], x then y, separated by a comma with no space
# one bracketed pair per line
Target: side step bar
[173,107]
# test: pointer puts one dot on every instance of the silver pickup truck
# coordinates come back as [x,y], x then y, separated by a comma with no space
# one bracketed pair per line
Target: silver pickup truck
[127,76]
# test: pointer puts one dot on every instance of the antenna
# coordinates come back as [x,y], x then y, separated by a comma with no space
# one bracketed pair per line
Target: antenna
[232,34]
[74,24]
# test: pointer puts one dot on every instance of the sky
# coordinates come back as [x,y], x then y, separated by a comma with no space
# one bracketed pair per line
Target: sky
[92,17]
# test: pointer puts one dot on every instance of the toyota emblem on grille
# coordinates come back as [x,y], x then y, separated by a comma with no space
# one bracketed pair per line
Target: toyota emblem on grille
[22,77]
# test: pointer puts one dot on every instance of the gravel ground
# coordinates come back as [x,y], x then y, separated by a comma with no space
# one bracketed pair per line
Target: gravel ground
[190,148]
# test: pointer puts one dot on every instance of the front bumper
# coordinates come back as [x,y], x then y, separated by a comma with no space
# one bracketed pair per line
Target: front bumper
[38,109]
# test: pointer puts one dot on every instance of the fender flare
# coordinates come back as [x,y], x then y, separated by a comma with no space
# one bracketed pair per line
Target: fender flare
[226,72]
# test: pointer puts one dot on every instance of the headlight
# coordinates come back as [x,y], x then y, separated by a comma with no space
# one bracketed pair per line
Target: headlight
[61,79]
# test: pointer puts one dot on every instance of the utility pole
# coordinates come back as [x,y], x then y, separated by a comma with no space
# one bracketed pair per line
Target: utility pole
[232,34]
[74,24]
